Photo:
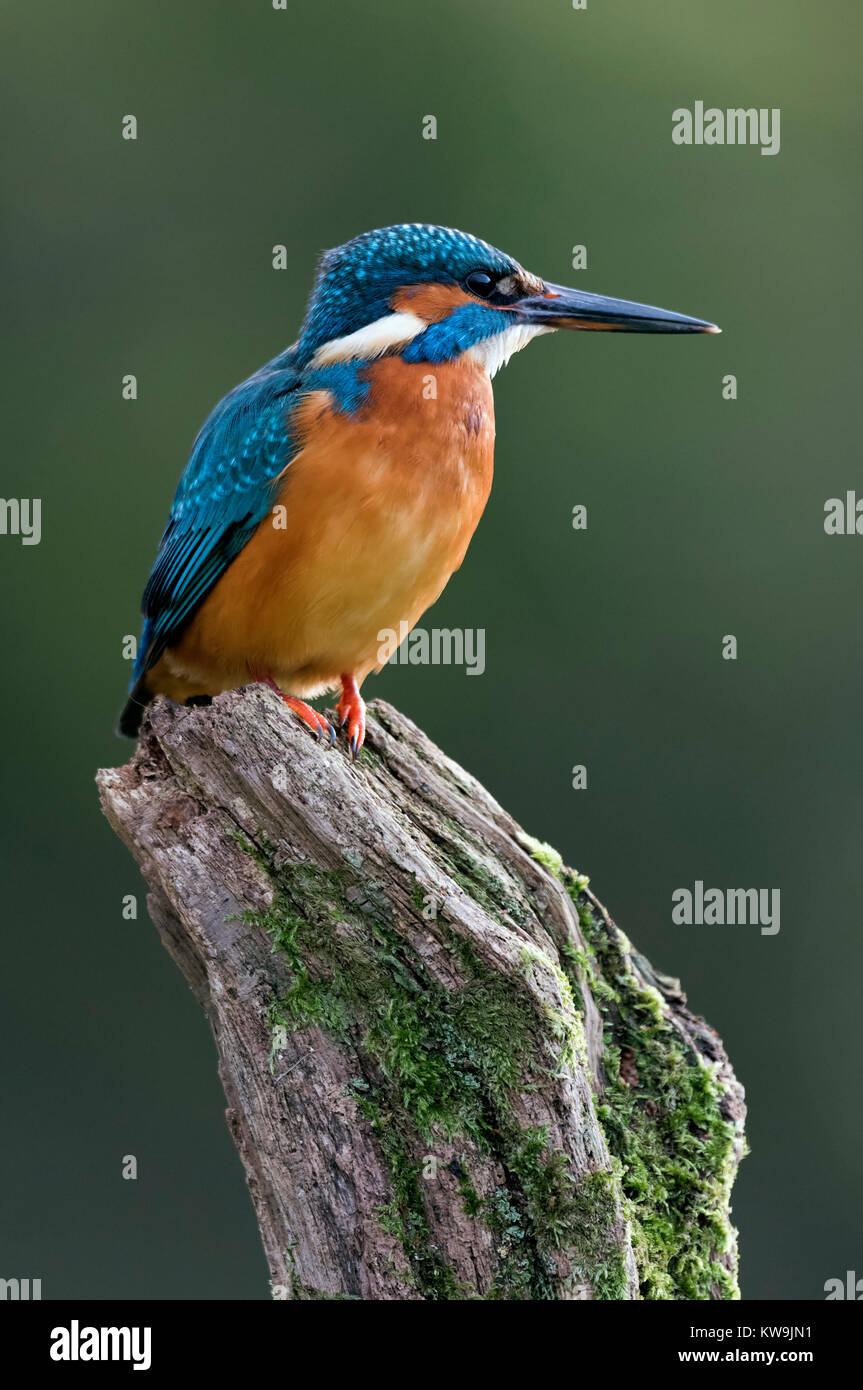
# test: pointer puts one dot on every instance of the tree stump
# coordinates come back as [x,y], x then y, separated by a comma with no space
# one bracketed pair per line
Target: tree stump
[448,1073]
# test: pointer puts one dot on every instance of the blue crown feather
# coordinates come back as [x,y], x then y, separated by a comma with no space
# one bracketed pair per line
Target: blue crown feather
[355,282]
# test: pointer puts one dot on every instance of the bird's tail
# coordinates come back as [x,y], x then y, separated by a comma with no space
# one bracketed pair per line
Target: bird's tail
[133,711]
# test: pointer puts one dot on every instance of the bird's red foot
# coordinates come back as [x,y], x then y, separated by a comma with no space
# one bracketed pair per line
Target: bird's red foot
[310,717]
[316,722]
[351,710]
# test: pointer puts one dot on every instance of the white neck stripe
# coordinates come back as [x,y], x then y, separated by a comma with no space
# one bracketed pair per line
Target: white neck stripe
[393,330]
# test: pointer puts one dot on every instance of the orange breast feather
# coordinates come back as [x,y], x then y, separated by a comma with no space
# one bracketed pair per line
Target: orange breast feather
[379,509]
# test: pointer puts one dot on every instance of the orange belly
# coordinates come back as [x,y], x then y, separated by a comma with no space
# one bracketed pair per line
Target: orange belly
[374,514]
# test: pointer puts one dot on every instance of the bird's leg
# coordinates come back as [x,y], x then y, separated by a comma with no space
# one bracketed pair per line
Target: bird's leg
[310,717]
[352,711]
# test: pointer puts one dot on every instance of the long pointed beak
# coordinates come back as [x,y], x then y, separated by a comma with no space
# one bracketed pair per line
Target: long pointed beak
[559,307]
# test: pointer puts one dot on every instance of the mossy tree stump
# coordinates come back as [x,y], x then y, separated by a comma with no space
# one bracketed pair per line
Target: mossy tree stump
[448,1074]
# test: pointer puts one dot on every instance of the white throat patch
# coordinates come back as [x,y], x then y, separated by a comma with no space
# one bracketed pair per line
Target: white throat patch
[494,353]
[393,330]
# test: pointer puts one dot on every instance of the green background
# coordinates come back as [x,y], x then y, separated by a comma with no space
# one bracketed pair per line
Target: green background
[302,127]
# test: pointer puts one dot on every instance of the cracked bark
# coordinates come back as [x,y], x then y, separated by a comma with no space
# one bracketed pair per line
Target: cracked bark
[348,930]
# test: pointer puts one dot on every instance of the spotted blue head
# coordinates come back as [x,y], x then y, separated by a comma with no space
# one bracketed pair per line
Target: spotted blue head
[432,293]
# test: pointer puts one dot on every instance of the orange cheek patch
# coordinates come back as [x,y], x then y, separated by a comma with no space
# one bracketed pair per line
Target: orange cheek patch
[430,302]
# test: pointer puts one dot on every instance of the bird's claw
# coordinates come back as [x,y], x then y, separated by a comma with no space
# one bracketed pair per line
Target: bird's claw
[351,710]
[318,724]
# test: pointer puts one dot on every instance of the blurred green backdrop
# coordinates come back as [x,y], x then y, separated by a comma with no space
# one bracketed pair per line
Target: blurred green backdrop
[302,127]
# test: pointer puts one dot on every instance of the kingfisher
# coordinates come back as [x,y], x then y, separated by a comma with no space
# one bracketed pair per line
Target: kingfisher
[329,497]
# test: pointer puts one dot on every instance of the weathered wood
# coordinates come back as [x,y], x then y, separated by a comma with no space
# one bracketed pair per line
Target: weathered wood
[447,1073]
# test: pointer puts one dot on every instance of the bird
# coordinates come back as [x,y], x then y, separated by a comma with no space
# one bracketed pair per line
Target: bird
[331,495]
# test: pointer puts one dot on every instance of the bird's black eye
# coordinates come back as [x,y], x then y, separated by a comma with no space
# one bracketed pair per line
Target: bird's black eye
[480,283]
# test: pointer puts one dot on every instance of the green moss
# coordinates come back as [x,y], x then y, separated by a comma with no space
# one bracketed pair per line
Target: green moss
[543,853]
[596,1206]
[443,1064]
[566,1024]
[577,966]
[662,1118]
[404,1216]
[478,880]
[554,1213]
[419,895]
[452,1057]
[262,850]
[470,1201]
[307,1293]
[549,856]
[520,1274]
[438,1064]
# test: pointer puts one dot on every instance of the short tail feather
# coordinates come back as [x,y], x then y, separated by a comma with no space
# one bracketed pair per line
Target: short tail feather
[140,696]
